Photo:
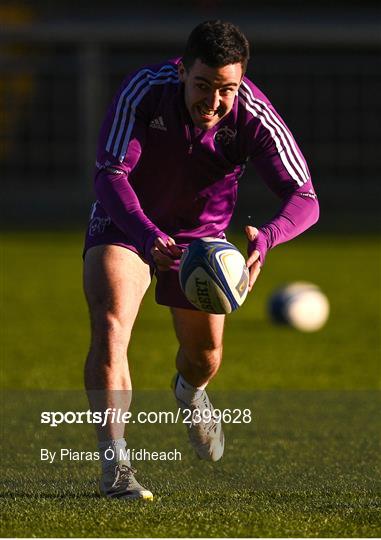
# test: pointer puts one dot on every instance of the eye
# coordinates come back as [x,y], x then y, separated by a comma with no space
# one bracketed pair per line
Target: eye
[202,86]
[226,91]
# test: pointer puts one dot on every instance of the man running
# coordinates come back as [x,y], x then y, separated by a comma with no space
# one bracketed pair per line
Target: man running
[172,149]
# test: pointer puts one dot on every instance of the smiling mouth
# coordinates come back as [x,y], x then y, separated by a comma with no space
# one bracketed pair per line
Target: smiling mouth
[209,114]
[206,113]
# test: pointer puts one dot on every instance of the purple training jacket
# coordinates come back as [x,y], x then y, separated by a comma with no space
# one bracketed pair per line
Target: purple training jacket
[158,175]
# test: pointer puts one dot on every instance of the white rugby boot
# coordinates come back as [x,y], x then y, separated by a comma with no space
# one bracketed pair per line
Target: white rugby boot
[206,436]
[119,482]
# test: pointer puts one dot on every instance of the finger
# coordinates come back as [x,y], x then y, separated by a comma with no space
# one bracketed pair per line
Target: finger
[174,250]
[253,257]
[254,273]
[251,232]
[169,247]
[161,259]
[170,241]
[161,246]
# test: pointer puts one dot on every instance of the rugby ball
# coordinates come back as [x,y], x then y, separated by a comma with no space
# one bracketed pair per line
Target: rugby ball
[301,305]
[214,276]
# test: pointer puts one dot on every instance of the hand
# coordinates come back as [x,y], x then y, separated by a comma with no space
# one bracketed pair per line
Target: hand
[164,252]
[253,262]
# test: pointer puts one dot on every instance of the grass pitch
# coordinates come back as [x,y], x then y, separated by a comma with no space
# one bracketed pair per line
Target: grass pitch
[306,466]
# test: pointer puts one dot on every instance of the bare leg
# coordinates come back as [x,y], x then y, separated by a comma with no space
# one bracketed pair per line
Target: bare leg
[198,360]
[115,281]
[200,337]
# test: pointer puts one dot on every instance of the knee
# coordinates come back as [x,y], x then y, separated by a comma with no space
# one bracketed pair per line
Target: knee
[109,331]
[213,356]
[206,361]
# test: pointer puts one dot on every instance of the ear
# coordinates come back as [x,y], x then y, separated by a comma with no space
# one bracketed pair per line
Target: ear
[181,72]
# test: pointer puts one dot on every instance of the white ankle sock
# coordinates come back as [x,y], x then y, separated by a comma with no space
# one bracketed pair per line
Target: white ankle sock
[112,452]
[187,392]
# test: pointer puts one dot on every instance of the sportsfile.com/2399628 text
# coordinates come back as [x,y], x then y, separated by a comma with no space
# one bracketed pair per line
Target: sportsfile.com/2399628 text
[191,416]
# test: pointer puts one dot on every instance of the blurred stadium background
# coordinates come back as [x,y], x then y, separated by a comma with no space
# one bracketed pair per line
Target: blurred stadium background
[62,62]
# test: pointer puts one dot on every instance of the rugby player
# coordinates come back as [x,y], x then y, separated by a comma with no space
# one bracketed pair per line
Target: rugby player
[172,149]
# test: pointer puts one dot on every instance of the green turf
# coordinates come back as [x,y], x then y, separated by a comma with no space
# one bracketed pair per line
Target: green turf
[306,466]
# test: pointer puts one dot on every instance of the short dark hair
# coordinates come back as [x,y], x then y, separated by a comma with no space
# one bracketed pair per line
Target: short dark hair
[216,44]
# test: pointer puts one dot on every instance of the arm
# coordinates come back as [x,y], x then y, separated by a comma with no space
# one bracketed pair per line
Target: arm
[294,218]
[121,203]
[121,144]
[299,211]
[281,165]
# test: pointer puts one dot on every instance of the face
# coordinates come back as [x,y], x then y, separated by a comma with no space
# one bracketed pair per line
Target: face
[210,92]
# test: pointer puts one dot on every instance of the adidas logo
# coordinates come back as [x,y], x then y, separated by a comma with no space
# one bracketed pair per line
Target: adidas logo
[158,123]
